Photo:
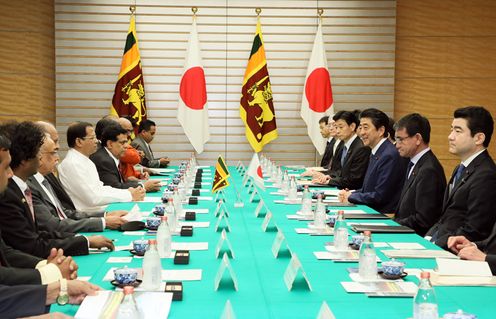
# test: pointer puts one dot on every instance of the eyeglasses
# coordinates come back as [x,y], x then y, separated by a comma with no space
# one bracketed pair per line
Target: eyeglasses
[400,139]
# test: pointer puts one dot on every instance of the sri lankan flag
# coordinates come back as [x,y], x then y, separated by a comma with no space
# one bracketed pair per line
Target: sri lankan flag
[129,93]
[221,175]
[256,108]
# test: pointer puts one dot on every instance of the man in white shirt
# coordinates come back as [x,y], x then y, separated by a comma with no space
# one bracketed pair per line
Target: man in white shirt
[79,175]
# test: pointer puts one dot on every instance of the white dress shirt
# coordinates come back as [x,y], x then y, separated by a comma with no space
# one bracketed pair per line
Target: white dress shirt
[80,179]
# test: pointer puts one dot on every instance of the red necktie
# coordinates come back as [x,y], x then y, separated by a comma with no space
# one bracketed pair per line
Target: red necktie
[29,199]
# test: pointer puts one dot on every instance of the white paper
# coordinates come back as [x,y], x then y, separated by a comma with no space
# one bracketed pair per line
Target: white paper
[116,260]
[205,198]
[349,211]
[406,246]
[134,233]
[181,274]
[198,210]
[151,199]
[195,224]
[189,246]
[455,267]
[356,277]
[418,253]
[120,248]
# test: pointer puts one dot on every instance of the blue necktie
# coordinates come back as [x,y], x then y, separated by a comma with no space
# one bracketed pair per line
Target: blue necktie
[458,174]
[343,155]
[410,165]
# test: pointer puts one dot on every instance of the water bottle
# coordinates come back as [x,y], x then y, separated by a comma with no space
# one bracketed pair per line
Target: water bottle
[179,210]
[275,171]
[128,309]
[170,212]
[367,264]
[164,238]
[292,192]
[306,203]
[320,213]
[340,232]
[279,177]
[285,183]
[152,268]
[425,302]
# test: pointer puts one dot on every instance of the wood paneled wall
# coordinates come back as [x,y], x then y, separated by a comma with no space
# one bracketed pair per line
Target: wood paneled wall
[359,40]
[445,59]
[27,55]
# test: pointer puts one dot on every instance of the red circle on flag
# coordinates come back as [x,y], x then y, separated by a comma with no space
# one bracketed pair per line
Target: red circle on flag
[259,171]
[193,90]
[318,90]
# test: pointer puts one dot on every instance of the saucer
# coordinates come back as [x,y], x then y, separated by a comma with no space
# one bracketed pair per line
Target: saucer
[354,247]
[157,213]
[134,252]
[134,284]
[391,277]
[151,228]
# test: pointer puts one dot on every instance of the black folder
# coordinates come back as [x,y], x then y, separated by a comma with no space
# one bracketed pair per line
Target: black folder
[382,229]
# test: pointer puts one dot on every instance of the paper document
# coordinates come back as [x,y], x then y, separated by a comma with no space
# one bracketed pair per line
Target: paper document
[152,304]
[181,274]
[418,253]
[406,246]
[190,246]
[457,267]
[151,199]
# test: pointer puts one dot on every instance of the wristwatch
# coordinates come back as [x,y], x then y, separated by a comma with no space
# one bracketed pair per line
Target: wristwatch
[63,297]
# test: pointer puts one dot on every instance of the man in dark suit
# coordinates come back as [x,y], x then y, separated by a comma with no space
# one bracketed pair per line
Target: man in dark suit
[146,133]
[34,300]
[50,213]
[421,198]
[18,221]
[468,205]
[18,268]
[106,159]
[386,171]
[348,167]
[328,132]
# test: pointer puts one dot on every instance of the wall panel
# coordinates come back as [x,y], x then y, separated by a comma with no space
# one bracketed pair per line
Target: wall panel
[359,39]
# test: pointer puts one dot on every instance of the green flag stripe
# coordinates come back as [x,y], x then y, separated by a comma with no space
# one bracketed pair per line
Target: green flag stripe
[257,43]
[130,41]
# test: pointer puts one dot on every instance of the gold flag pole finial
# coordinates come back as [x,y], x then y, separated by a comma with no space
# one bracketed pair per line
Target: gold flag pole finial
[194,10]
[320,12]
[132,9]
[258,11]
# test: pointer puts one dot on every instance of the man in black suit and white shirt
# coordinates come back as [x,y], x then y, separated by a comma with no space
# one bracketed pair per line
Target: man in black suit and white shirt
[421,198]
[349,165]
[106,160]
[468,205]
[18,219]
[146,134]
[50,213]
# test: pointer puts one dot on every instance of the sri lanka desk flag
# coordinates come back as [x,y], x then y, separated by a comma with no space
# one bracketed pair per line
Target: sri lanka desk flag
[221,175]
[256,108]
[129,93]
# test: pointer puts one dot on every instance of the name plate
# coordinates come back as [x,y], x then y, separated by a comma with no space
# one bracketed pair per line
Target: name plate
[278,241]
[222,216]
[220,196]
[225,264]
[266,221]
[259,207]
[221,208]
[228,312]
[220,244]
[255,193]
[294,268]
[325,312]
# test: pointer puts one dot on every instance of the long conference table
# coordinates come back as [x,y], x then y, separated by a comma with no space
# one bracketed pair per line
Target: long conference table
[262,292]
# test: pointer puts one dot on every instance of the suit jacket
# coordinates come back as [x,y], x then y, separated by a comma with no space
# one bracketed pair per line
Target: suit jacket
[352,173]
[108,171]
[383,180]
[421,199]
[48,218]
[468,210]
[59,190]
[17,268]
[328,153]
[149,160]
[489,247]
[22,301]
[21,232]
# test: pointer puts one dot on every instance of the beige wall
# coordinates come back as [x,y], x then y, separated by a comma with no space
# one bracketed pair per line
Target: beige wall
[27,55]
[445,59]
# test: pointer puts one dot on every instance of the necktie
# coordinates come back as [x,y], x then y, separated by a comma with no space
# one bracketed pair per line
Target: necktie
[458,174]
[409,168]
[29,199]
[343,155]
[58,205]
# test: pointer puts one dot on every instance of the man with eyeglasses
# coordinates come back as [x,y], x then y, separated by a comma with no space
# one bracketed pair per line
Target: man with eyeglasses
[421,199]
[79,175]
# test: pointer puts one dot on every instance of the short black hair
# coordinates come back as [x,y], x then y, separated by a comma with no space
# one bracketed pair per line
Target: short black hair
[378,119]
[4,143]
[146,125]
[111,132]
[391,133]
[76,130]
[479,120]
[324,119]
[348,117]
[26,140]
[415,123]
[102,124]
